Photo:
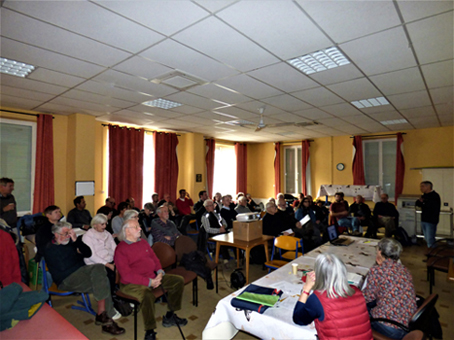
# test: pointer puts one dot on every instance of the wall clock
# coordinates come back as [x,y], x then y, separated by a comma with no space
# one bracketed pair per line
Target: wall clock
[340,166]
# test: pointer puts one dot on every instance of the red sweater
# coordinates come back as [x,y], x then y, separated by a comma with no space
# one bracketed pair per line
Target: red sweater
[10,268]
[345,318]
[136,262]
[184,207]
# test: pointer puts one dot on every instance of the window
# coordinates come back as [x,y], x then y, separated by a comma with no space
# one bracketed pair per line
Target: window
[148,168]
[17,160]
[292,169]
[224,170]
[380,164]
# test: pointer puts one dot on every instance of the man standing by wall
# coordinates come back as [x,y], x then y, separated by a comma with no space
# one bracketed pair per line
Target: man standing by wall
[430,204]
[8,210]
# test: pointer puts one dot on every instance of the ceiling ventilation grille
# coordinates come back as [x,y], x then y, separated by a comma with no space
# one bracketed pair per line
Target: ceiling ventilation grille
[179,80]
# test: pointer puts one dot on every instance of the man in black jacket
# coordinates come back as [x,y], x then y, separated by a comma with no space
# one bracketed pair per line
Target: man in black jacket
[385,215]
[430,204]
[65,259]
[361,210]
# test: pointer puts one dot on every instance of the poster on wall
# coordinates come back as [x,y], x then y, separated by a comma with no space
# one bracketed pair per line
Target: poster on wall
[85,188]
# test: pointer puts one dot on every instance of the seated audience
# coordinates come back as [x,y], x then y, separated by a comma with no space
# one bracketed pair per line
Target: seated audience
[279,195]
[297,202]
[184,204]
[102,246]
[389,291]
[155,200]
[132,202]
[105,210]
[313,227]
[44,233]
[274,224]
[199,208]
[140,273]
[110,203]
[214,224]
[251,204]
[8,206]
[117,221]
[271,199]
[65,259]
[361,211]
[79,217]
[242,207]
[323,212]
[232,204]
[145,219]
[338,309]
[227,213]
[217,199]
[339,211]
[282,206]
[385,215]
[163,229]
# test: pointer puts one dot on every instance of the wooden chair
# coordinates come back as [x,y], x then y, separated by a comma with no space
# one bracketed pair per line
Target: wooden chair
[288,243]
[158,292]
[167,257]
[413,335]
[53,290]
[185,245]
[420,320]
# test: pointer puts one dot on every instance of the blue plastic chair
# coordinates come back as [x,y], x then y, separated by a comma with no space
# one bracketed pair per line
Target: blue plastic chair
[53,290]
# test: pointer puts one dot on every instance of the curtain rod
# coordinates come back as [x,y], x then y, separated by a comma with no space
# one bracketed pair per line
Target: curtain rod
[129,128]
[22,113]
[372,136]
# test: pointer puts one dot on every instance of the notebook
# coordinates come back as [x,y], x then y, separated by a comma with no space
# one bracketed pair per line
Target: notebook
[334,237]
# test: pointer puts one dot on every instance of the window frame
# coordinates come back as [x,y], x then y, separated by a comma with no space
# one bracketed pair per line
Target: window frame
[232,172]
[33,125]
[298,169]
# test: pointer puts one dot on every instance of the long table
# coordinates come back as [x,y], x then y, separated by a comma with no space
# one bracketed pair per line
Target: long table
[277,322]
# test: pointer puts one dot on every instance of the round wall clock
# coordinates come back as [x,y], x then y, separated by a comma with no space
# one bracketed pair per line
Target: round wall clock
[340,166]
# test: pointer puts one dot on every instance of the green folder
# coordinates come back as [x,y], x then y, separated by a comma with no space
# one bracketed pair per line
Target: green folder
[262,299]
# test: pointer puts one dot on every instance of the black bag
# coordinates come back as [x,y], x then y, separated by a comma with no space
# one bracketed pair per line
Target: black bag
[237,279]
[402,237]
[29,224]
[195,261]
[122,306]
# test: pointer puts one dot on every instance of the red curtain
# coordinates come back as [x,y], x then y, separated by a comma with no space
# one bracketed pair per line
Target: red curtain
[400,166]
[305,144]
[126,164]
[358,165]
[277,168]
[166,164]
[241,167]
[209,159]
[44,167]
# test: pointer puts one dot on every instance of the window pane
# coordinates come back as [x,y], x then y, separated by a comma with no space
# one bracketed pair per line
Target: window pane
[148,168]
[16,161]
[371,163]
[389,167]
[290,170]
[298,172]
[224,170]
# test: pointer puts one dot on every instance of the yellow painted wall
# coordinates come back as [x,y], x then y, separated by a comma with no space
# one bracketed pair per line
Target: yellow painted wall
[60,128]
[260,170]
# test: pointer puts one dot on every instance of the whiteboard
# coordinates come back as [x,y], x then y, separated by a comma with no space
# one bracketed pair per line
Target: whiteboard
[85,188]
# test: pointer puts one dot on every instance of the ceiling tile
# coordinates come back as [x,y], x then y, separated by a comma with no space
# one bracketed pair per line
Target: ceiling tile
[91,21]
[30,84]
[418,112]
[284,77]
[155,14]
[432,38]
[352,130]
[83,106]
[332,122]
[401,81]
[18,102]
[204,36]
[97,98]
[386,116]
[347,20]
[342,110]
[439,74]
[237,112]
[198,120]
[249,86]
[442,95]
[157,112]
[55,78]
[377,109]
[313,114]
[337,75]
[135,83]
[187,109]
[410,100]
[109,89]
[57,109]
[381,52]
[25,29]
[400,127]
[33,95]
[288,117]
[47,59]
[177,56]
[355,89]
[424,122]
[287,103]
[193,100]
[277,26]
[142,67]
[414,10]
[318,97]
[214,6]
[444,109]
[211,91]
[446,119]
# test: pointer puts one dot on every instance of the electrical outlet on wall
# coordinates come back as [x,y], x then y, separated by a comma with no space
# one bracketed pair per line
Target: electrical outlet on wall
[445,204]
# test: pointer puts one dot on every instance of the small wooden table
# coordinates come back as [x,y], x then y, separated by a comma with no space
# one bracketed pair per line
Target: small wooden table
[228,240]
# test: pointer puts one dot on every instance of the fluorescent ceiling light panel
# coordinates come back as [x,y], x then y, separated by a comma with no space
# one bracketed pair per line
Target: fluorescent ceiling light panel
[15,68]
[361,104]
[319,61]
[395,121]
[162,103]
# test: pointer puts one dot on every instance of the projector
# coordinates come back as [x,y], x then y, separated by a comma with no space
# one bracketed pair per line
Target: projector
[248,217]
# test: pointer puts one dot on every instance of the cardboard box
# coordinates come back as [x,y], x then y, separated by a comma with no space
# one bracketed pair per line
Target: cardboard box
[247,231]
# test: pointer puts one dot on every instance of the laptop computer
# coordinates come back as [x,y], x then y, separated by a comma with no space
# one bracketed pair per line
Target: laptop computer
[334,237]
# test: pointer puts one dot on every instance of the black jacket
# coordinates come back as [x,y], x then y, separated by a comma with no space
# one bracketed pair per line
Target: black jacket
[430,206]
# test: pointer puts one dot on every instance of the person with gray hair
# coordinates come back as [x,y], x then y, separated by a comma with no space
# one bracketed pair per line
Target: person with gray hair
[65,259]
[338,309]
[163,229]
[242,207]
[390,293]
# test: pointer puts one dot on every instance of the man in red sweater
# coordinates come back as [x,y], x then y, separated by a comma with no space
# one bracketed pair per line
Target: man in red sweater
[141,272]
[184,205]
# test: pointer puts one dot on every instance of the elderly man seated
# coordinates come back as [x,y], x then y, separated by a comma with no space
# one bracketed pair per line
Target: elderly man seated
[65,259]
[339,211]
[163,229]
[141,272]
[275,223]
[242,207]
[227,213]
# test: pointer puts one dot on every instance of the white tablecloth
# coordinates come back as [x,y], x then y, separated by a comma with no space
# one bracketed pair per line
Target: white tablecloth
[369,192]
[277,322]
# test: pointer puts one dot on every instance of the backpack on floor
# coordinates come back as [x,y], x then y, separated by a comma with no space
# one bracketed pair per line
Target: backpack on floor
[402,236]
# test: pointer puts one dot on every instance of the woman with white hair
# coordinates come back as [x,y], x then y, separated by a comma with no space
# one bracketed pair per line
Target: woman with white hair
[338,309]
[390,292]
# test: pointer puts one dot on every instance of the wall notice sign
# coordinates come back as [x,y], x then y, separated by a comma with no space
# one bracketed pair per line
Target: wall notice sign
[85,188]
[198,177]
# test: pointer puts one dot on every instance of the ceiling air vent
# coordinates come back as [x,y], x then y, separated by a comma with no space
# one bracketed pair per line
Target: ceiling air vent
[179,80]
